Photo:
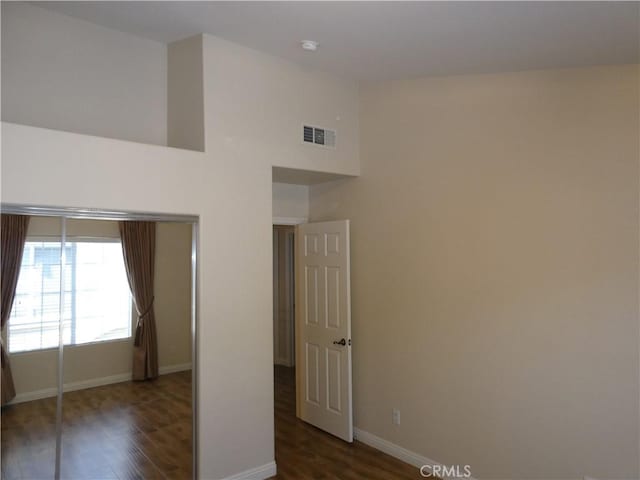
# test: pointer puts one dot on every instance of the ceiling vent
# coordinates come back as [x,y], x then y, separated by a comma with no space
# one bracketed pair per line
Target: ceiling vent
[319,136]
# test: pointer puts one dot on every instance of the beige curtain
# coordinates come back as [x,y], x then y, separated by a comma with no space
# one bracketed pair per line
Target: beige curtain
[138,249]
[13,235]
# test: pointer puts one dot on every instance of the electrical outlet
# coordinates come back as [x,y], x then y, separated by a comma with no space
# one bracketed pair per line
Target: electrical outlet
[395,416]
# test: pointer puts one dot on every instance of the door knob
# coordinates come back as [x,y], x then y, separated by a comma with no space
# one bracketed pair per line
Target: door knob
[342,342]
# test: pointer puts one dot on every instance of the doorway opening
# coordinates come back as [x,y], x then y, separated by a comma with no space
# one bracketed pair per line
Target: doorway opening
[284,295]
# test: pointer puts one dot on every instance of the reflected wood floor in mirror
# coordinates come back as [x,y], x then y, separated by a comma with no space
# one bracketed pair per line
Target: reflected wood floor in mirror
[130,430]
[305,452]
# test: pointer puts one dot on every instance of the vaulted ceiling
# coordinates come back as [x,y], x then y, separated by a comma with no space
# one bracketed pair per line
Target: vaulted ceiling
[371,41]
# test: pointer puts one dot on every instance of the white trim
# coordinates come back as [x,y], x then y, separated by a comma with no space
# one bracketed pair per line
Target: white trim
[397,451]
[267,470]
[289,220]
[180,367]
[91,383]
[94,213]
[70,387]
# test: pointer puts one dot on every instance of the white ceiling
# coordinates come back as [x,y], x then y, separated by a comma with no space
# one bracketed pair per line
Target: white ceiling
[371,41]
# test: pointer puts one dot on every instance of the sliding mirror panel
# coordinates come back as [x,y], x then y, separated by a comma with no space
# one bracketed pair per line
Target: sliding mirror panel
[30,340]
[127,406]
[97,326]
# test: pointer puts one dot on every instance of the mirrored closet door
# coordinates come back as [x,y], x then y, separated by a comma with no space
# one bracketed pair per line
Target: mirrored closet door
[31,271]
[102,355]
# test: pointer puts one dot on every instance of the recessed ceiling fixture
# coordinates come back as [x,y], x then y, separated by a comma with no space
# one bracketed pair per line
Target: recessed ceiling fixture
[310,45]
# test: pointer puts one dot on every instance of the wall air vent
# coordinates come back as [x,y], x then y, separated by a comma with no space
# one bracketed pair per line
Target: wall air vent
[319,136]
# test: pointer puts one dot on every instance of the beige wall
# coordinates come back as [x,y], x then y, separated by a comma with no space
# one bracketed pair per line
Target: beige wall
[290,201]
[256,105]
[173,293]
[34,371]
[64,73]
[495,270]
[185,94]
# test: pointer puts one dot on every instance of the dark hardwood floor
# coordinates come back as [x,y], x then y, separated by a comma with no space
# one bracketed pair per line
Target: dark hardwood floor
[305,452]
[142,430]
[130,430]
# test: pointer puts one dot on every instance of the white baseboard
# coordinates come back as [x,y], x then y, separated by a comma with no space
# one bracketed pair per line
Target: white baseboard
[267,470]
[181,367]
[398,452]
[70,387]
[91,383]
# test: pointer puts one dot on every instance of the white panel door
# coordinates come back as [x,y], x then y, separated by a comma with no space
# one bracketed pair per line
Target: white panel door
[323,327]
